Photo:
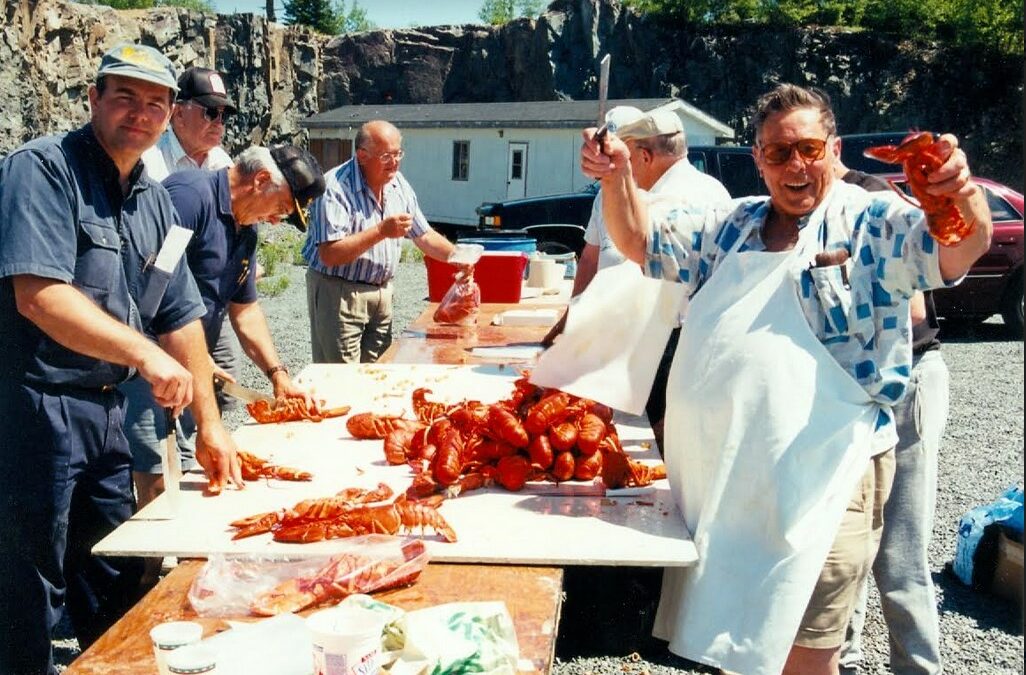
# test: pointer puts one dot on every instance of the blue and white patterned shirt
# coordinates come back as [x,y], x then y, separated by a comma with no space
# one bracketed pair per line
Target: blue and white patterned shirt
[349,206]
[859,311]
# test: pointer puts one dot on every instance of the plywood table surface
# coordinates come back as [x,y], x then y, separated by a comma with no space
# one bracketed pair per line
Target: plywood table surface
[493,525]
[532,596]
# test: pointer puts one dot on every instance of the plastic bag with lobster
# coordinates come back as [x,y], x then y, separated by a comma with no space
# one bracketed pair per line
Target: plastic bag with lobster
[259,585]
[463,299]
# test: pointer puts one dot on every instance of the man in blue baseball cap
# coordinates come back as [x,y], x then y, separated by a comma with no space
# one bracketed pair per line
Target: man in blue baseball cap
[87,269]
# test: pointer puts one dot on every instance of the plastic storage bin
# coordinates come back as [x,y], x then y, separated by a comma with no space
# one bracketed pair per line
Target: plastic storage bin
[498,273]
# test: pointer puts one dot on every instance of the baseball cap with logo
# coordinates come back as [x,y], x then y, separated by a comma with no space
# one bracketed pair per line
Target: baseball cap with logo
[652,123]
[204,87]
[304,176]
[138,62]
[621,115]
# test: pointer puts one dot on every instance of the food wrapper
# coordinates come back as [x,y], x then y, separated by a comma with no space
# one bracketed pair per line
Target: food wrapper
[457,637]
[264,586]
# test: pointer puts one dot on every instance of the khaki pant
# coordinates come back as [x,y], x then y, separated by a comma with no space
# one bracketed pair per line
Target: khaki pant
[850,559]
[350,321]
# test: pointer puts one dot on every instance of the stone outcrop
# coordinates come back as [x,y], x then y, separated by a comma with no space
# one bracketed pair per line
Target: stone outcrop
[49,51]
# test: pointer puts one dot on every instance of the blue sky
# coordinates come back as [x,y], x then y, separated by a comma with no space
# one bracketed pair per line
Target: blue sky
[384,13]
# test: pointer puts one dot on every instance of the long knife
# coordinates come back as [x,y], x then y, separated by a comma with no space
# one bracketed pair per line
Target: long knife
[603,95]
[171,467]
[238,391]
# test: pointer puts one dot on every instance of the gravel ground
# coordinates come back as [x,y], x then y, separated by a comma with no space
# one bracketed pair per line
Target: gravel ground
[608,612]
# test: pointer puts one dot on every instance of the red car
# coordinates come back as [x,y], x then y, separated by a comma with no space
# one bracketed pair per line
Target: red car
[994,284]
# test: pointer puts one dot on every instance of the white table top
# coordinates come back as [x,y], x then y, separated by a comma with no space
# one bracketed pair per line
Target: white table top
[493,525]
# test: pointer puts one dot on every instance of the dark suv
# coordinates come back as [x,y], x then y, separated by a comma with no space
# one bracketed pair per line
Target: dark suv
[558,221]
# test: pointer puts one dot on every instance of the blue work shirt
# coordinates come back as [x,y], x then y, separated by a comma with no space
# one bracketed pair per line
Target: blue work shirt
[348,206]
[63,216]
[221,255]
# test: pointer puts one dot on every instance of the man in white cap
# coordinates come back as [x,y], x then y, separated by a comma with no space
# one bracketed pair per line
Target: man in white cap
[659,164]
[84,275]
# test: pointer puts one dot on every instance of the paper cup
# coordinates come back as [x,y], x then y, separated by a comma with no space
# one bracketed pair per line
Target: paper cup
[346,641]
[169,636]
[192,660]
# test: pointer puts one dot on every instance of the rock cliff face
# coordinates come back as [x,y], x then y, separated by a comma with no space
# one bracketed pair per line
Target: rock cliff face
[49,51]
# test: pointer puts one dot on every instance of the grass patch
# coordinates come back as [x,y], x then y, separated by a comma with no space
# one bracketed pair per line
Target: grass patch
[277,246]
[411,253]
[272,286]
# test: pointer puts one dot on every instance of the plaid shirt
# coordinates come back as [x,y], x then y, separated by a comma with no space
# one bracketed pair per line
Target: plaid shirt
[349,206]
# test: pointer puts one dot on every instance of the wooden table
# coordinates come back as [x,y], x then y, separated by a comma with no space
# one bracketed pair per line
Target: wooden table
[532,595]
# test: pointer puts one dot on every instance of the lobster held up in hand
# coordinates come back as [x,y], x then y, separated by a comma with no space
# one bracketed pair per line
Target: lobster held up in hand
[919,157]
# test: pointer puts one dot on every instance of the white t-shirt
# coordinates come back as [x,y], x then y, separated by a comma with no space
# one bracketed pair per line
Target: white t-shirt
[681,180]
[167,157]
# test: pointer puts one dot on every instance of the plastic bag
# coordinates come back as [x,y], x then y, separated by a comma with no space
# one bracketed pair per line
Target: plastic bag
[463,299]
[265,587]
[1006,510]
[458,637]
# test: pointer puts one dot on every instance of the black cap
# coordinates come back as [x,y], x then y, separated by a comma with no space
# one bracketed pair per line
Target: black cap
[304,176]
[204,87]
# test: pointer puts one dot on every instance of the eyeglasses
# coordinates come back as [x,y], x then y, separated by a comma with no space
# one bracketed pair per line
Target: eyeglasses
[387,157]
[809,149]
[212,114]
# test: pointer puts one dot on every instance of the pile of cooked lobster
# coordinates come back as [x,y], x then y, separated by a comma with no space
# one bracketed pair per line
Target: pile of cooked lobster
[535,434]
[351,512]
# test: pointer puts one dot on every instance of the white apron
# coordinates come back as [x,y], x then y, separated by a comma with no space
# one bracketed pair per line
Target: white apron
[767,437]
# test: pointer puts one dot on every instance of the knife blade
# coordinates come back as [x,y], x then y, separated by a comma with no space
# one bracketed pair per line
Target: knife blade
[238,391]
[603,95]
[171,467]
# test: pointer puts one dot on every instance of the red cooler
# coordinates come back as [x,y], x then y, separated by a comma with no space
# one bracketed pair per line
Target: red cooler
[500,275]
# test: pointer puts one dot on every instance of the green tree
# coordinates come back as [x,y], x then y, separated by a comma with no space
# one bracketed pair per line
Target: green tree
[498,12]
[200,5]
[327,16]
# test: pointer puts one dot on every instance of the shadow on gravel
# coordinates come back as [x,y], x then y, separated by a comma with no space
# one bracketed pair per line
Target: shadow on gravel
[988,611]
[608,612]
[966,331]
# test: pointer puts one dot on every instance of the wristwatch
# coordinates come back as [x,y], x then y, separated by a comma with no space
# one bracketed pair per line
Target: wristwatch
[276,369]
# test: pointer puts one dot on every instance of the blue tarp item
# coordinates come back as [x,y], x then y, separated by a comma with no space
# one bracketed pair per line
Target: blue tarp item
[1006,510]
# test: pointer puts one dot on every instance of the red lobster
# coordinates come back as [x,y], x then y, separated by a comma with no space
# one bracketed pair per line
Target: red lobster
[254,467]
[918,157]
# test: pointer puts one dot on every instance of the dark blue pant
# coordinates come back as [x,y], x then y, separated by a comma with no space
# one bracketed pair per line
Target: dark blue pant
[65,482]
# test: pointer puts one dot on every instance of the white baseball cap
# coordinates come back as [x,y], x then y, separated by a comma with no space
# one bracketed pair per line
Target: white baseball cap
[652,123]
[620,115]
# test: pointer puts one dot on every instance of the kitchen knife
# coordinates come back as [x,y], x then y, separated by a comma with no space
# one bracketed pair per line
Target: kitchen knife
[171,467]
[238,391]
[603,94]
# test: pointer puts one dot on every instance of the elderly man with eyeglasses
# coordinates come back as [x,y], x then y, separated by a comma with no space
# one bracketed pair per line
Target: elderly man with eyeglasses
[795,348]
[353,248]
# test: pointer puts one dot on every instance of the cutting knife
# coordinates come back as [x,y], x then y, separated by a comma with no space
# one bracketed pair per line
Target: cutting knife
[171,466]
[603,95]
[238,391]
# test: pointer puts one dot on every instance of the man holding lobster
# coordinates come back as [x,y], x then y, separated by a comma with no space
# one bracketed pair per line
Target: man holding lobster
[795,348]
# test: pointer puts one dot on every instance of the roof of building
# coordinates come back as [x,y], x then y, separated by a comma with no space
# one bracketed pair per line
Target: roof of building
[523,115]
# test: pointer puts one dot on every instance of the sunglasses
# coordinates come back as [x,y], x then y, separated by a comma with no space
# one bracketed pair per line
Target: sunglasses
[809,149]
[213,114]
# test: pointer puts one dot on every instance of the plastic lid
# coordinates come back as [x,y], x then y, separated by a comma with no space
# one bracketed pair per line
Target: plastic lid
[174,634]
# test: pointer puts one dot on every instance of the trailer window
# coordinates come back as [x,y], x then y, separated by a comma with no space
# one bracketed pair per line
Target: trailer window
[460,160]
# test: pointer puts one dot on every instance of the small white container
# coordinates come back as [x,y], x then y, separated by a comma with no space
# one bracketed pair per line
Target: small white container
[346,641]
[171,635]
[192,660]
[544,273]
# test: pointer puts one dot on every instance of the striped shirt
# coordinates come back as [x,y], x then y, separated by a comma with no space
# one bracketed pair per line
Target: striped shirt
[349,206]
[859,310]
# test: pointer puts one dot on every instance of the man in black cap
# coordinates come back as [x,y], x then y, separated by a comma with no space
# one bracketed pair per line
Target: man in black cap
[193,140]
[221,208]
[87,270]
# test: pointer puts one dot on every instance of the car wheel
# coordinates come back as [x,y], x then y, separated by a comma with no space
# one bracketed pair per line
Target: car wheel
[1011,307]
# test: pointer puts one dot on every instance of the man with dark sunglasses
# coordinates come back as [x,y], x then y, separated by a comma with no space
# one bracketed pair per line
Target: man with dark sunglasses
[193,140]
[794,351]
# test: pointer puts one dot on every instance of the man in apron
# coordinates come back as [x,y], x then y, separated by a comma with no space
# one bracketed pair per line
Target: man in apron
[778,416]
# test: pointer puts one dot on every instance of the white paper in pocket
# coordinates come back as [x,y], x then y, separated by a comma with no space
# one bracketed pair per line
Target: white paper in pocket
[615,335]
